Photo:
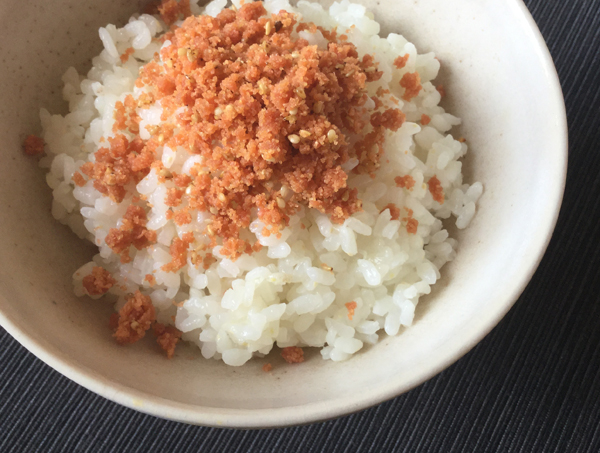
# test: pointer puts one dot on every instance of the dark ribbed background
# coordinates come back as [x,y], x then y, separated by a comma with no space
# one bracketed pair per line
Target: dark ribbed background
[532,385]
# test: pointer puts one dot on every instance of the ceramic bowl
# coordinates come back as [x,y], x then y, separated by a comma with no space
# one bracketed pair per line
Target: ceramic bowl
[500,80]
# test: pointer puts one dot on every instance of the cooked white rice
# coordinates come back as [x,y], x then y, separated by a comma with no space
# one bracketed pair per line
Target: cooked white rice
[281,295]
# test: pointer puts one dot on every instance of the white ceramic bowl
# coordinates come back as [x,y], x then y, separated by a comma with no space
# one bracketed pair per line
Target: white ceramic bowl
[500,80]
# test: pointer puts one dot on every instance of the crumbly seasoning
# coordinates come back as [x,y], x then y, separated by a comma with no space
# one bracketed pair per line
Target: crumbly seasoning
[98,282]
[411,82]
[124,161]
[394,210]
[125,56]
[133,232]
[33,145]
[425,119]
[400,61]
[167,338]
[126,117]
[293,354]
[179,251]
[405,182]
[411,223]
[436,189]
[267,367]
[351,306]
[271,117]
[135,318]
[172,10]
[151,279]
[78,179]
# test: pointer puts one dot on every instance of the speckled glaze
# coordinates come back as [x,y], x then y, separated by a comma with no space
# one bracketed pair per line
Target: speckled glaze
[500,80]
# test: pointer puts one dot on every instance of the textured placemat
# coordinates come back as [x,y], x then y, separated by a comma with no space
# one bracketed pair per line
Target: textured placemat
[532,385]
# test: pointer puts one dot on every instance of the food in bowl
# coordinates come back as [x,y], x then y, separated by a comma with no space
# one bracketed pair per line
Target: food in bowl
[258,175]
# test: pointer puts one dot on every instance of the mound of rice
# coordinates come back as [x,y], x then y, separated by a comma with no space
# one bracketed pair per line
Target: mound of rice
[332,286]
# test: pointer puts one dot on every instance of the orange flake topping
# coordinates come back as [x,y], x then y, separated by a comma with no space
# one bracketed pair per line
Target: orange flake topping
[351,306]
[98,282]
[33,145]
[78,179]
[425,120]
[441,90]
[135,318]
[208,260]
[124,161]
[171,10]
[267,367]
[125,55]
[400,62]
[263,109]
[293,354]
[405,182]
[182,217]
[173,198]
[133,231]
[150,279]
[394,211]
[411,82]
[391,119]
[179,249]
[435,187]
[411,224]
[167,338]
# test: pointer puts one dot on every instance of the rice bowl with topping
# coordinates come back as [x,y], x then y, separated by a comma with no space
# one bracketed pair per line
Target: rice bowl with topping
[185,159]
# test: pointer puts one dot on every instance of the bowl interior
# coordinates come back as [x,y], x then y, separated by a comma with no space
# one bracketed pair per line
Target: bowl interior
[499,79]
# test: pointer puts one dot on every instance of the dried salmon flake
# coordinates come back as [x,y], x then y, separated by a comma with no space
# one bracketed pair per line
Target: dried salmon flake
[126,117]
[78,179]
[391,119]
[182,217]
[267,367]
[171,10]
[173,198]
[179,249]
[411,224]
[436,189]
[411,82]
[208,261]
[135,318]
[400,61]
[394,210]
[405,182]
[282,113]
[293,354]
[98,282]
[150,279]
[441,90]
[133,232]
[425,120]
[351,306]
[33,145]
[125,55]
[122,162]
[167,338]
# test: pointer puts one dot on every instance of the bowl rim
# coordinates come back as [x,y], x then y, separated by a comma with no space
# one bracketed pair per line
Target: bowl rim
[325,410]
